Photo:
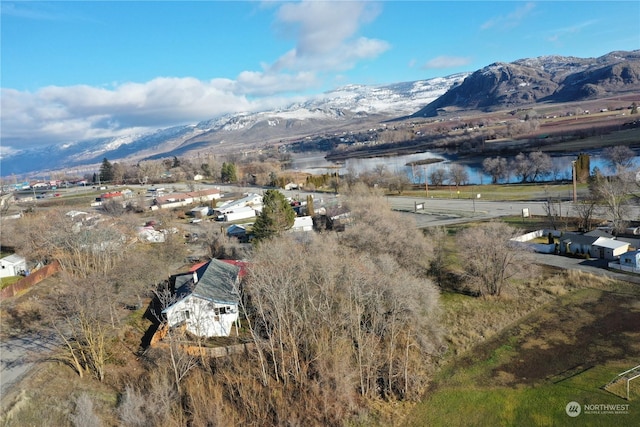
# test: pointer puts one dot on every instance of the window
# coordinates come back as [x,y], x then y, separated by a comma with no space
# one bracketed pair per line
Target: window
[187,315]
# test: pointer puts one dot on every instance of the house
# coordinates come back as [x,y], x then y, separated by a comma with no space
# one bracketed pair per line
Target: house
[628,261]
[175,200]
[250,199]
[631,259]
[575,243]
[302,223]
[593,244]
[13,265]
[207,299]
[238,231]
[199,212]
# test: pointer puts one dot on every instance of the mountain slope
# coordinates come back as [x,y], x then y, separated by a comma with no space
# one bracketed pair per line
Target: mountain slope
[544,79]
[354,105]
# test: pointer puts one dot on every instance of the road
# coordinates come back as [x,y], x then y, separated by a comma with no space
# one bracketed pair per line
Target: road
[18,356]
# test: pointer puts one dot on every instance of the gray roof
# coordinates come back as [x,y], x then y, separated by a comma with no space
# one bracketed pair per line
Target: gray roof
[216,282]
[579,239]
[598,233]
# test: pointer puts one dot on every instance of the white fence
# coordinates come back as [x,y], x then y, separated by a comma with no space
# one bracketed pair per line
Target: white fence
[617,266]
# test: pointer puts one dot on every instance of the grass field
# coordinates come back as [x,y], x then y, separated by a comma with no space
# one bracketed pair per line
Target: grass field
[567,351]
[514,192]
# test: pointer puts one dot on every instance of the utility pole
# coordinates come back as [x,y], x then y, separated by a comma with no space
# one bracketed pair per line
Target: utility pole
[575,191]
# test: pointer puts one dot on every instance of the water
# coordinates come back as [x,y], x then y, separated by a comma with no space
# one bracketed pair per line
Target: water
[316,164]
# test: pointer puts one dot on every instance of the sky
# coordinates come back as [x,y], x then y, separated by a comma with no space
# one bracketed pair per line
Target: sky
[88,69]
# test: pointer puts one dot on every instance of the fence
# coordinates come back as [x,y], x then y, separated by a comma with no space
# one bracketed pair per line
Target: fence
[30,280]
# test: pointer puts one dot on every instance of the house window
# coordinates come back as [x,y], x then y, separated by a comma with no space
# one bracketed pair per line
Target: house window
[187,315]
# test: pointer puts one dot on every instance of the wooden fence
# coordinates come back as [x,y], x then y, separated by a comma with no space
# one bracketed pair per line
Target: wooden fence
[30,280]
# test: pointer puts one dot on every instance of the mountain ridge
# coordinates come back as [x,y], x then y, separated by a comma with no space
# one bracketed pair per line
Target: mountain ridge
[500,85]
[546,79]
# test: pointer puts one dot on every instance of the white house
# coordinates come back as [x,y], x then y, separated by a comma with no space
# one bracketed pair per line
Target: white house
[251,199]
[12,265]
[207,299]
[302,223]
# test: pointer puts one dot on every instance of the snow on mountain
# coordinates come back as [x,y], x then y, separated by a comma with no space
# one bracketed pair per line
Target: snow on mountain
[346,103]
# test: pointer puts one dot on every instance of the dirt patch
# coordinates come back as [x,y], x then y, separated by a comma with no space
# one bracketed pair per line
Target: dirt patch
[577,337]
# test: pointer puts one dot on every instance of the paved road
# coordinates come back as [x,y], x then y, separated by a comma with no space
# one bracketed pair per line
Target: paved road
[18,356]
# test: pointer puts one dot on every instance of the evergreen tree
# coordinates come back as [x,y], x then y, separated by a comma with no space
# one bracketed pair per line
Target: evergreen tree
[583,167]
[310,208]
[228,173]
[277,215]
[106,171]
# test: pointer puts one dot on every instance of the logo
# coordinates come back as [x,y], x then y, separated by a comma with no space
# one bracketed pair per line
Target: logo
[573,409]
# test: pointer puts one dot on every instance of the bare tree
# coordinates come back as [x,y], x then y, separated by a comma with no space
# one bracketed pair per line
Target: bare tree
[619,157]
[496,167]
[347,313]
[398,182]
[437,176]
[491,257]
[585,210]
[372,222]
[83,328]
[541,164]
[521,166]
[457,175]
[614,194]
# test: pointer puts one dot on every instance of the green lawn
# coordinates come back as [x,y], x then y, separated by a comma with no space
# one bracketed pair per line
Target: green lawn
[7,281]
[567,351]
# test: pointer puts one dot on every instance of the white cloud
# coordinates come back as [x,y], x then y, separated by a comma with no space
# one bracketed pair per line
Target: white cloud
[447,62]
[510,20]
[557,34]
[56,114]
[326,35]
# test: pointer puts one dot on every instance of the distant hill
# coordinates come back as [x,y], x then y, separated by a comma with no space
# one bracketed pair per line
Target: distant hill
[353,108]
[545,79]
[350,107]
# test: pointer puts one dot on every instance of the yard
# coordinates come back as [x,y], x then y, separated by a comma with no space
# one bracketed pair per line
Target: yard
[566,351]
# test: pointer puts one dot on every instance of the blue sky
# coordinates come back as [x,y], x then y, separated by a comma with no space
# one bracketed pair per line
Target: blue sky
[78,70]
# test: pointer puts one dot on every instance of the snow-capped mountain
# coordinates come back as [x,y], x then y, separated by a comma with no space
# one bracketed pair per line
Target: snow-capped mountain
[347,106]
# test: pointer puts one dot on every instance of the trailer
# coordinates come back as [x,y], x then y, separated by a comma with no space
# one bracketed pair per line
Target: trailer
[240,213]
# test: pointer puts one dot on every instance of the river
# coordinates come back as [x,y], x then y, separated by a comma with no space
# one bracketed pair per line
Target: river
[315,163]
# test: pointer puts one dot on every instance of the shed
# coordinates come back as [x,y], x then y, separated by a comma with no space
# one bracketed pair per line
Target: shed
[609,248]
[12,265]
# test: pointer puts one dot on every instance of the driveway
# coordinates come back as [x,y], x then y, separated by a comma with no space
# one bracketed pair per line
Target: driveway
[593,266]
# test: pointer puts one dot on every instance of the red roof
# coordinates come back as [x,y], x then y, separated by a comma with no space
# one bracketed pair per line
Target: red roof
[241,264]
[197,266]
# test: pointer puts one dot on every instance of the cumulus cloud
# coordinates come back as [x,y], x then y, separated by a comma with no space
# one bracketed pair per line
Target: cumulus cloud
[447,62]
[58,114]
[326,35]
[326,38]
[510,20]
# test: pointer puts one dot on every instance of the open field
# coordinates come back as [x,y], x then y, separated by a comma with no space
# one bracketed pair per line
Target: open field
[566,351]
